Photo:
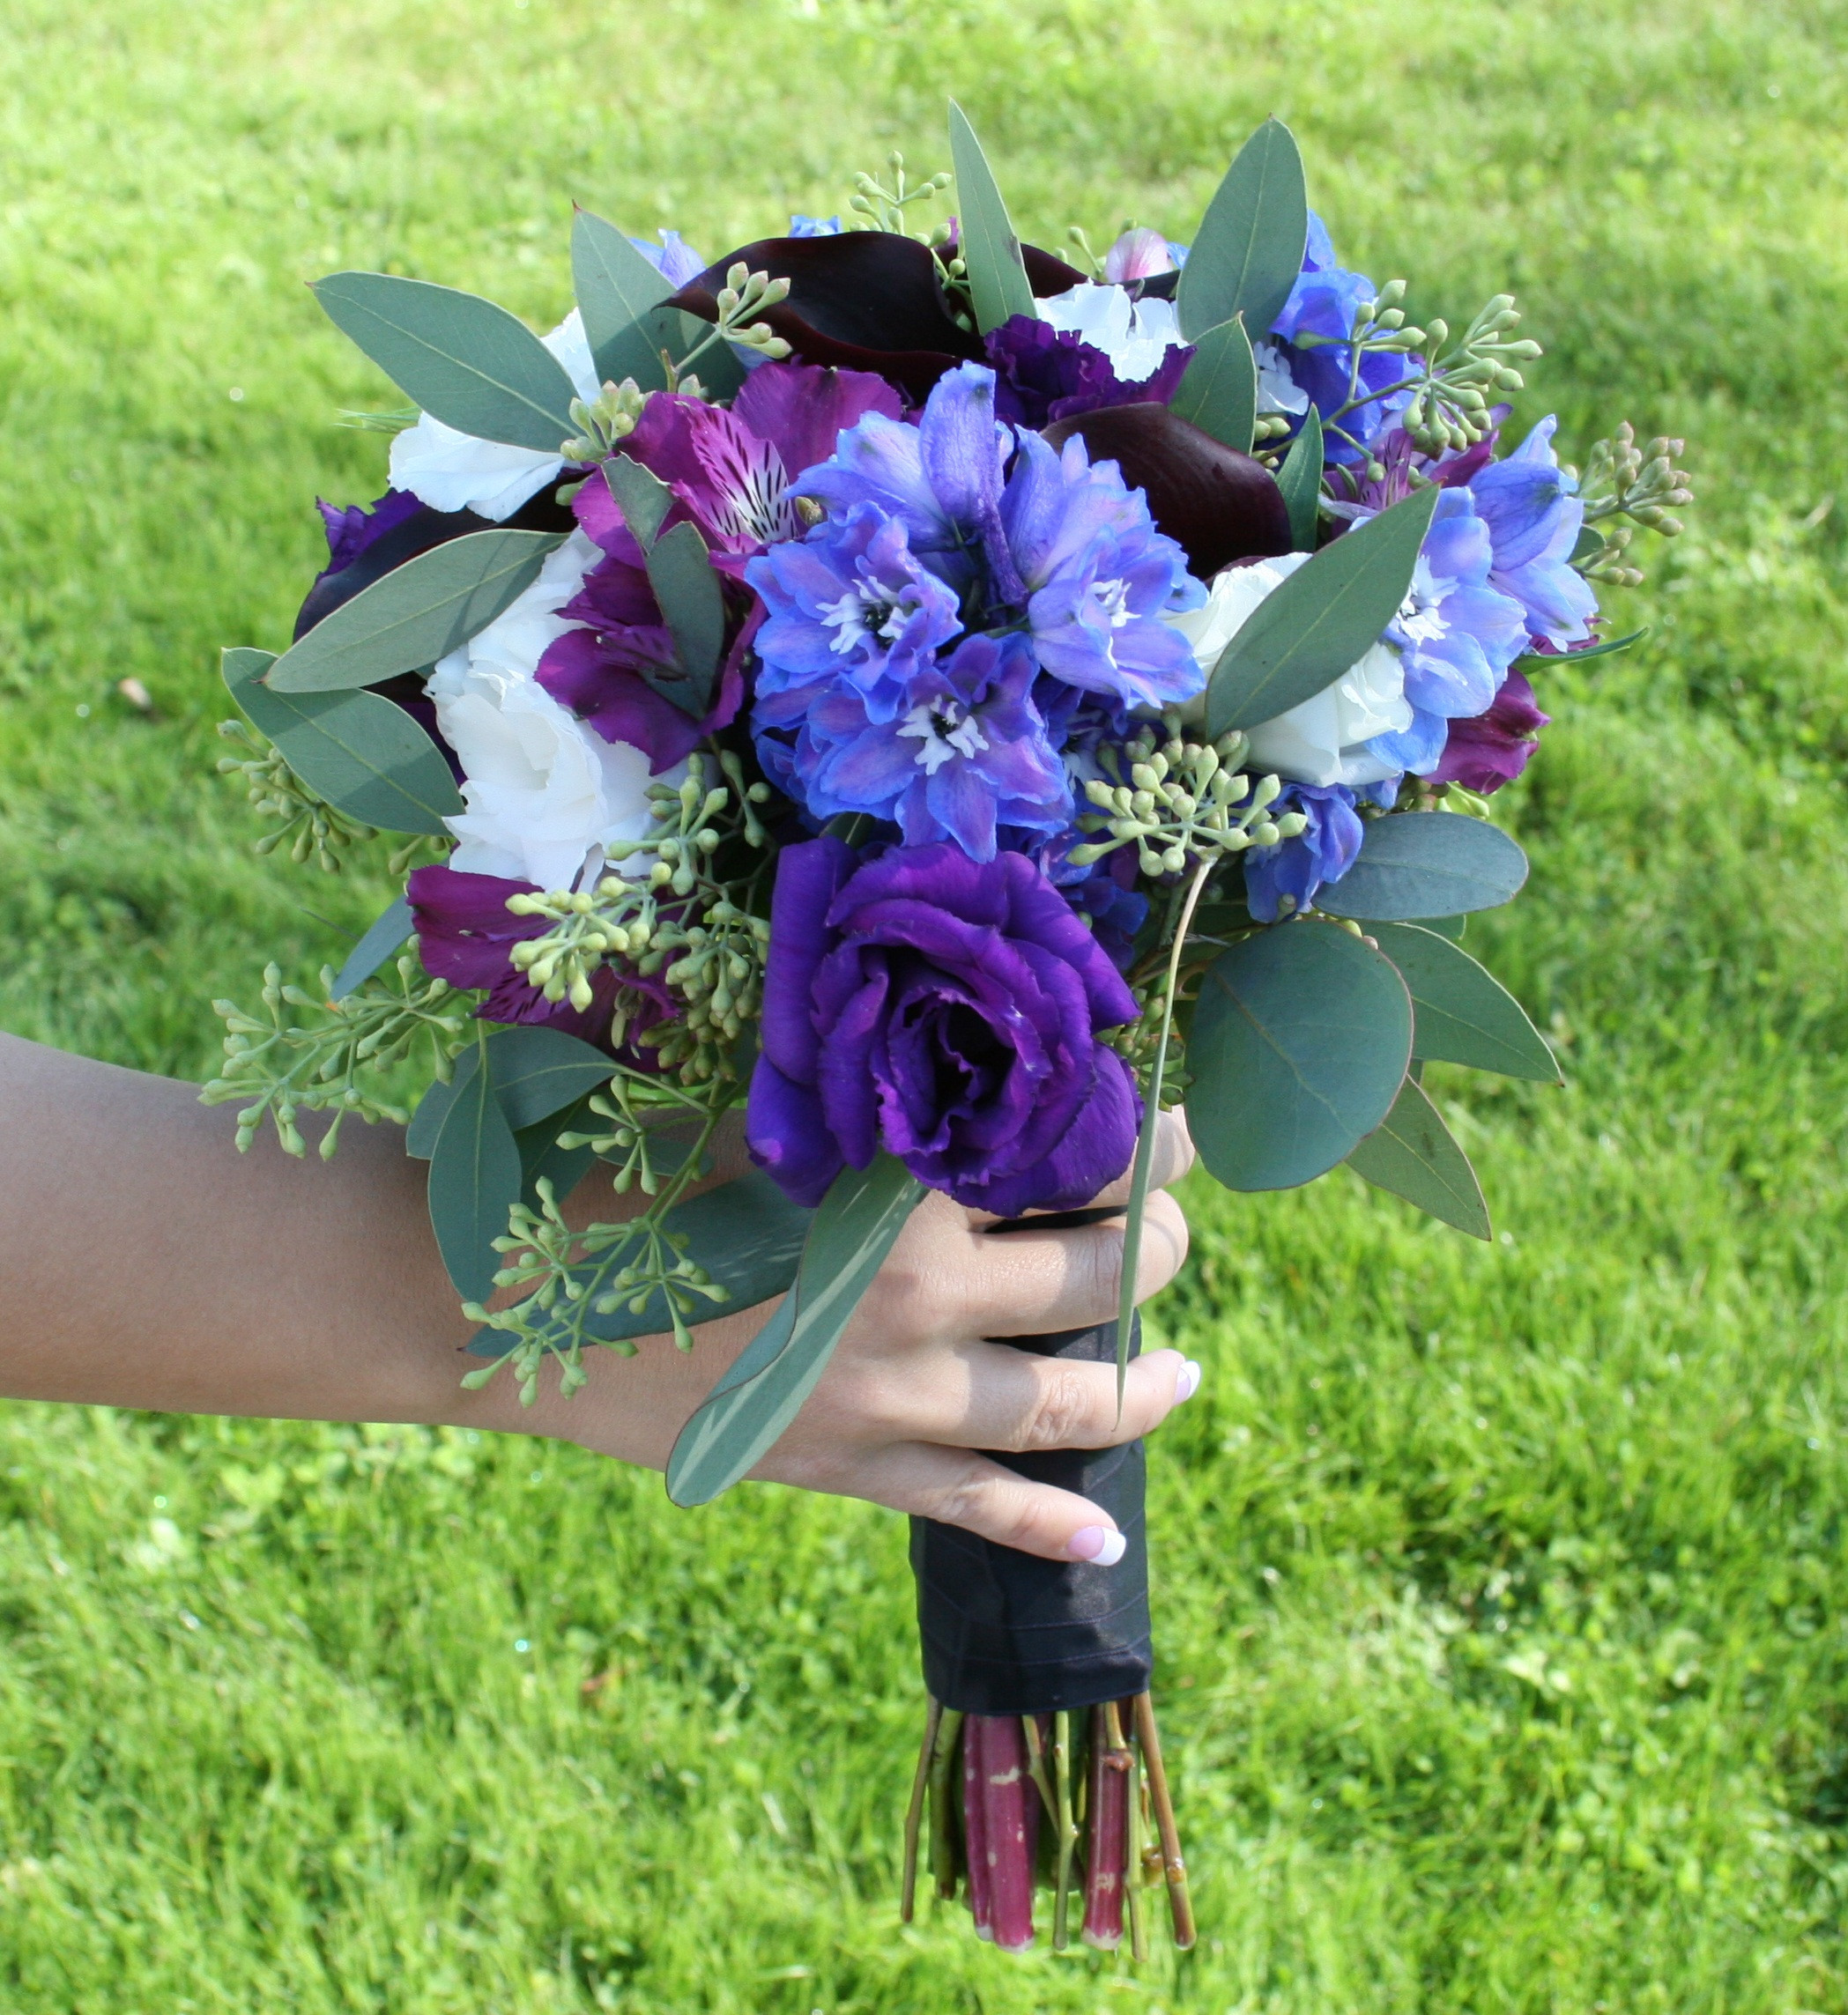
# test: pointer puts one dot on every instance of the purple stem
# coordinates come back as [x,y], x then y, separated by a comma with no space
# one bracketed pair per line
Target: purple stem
[1107,1848]
[975,1821]
[1012,1825]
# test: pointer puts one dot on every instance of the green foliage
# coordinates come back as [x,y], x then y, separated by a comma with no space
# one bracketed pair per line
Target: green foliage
[1428,863]
[1411,1154]
[1249,247]
[1219,390]
[1499,1588]
[990,247]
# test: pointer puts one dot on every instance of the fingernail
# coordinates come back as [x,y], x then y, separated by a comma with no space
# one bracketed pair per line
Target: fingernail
[1097,1543]
[1188,1383]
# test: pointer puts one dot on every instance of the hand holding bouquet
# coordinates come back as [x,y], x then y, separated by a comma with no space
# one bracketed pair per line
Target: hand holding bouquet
[952,705]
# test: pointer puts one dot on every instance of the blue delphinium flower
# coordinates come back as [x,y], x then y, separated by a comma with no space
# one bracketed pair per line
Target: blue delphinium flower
[672,258]
[814,226]
[1283,879]
[1533,521]
[965,750]
[1456,635]
[1324,304]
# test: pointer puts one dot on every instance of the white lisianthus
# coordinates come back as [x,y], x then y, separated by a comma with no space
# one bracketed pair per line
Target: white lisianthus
[1323,740]
[546,793]
[1134,335]
[450,470]
[1277,391]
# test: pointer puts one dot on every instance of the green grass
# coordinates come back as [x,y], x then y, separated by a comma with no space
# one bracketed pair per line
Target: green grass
[1504,1607]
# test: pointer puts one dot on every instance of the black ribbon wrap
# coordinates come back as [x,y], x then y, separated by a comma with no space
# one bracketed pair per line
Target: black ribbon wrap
[1005,1633]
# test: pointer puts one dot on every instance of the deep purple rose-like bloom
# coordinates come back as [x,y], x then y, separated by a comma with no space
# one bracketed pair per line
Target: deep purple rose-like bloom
[1484,753]
[1044,373]
[465,934]
[352,530]
[948,1011]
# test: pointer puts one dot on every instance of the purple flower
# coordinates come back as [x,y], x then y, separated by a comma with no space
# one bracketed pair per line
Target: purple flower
[465,934]
[1044,373]
[1492,749]
[948,1009]
[352,530]
[1323,305]
[1140,255]
[1533,523]
[1283,879]
[674,259]
[964,751]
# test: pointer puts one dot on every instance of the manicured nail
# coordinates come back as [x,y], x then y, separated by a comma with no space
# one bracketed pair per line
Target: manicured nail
[1097,1543]
[1188,1383]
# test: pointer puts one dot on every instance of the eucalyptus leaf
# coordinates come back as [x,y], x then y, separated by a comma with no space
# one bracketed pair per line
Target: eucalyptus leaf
[541,1155]
[1415,1155]
[381,939]
[754,1401]
[538,1070]
[1546,661]
[747,1236]
[1299,1045]
[474,1182]
[1248,251]
[1451,927]
[1589,543]
[366,757]
[997,281]
[641,496]
[1218,391]
[415,614]
[1414,864]
[433,1107]
[616,288]
[1461,1013]
[1300,479]
[466,361]
[1304,635]
[693,604]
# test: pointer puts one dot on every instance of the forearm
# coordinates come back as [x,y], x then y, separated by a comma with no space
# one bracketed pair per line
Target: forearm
[147,1264]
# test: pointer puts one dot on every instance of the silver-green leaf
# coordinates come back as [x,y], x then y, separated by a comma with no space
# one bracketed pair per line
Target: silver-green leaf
[1248,251]
[1415,1155]
[693,605]
[997,281]
[1218,391]
[1300,479]
[415,614]
[617,289]
[380,940]
[474,1181]
[1415,864]
[465,361]
[1461,1013]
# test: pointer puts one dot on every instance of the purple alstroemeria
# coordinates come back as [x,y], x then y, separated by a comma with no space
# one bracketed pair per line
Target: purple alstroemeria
[851,607]
[1283,879]
[964,752]
[1321,307]
[1044,373]
[1526,500]
[1100,577]
[949,1010]
[465,934]
[1492,749]
[1456,635]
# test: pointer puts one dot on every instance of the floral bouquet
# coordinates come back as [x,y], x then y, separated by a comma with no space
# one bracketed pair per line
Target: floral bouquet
[952,704]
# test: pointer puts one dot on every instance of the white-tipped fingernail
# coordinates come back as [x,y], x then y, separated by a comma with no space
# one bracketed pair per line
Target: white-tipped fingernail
[1188,1383]
[1097,1543]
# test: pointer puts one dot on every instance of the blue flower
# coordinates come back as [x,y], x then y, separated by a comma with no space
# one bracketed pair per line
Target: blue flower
[1283,879]
[849,607]
[965,751]
[1456,635]
[814,226]
[1533,523]
[672,258]
[1323,305]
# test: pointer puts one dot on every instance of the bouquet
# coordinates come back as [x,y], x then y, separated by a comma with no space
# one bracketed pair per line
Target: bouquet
[952,704]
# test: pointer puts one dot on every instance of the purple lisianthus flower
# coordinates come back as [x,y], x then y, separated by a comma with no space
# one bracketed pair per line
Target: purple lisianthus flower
[1456,635]
[465,934]
[850,606]
[947,1009]
[1101,577]
[1316,357]
[964,751]
[1492,749]
[352,530]
[1104,892]
[674,259]
[1533,523]
[1044,373]
[1283,879]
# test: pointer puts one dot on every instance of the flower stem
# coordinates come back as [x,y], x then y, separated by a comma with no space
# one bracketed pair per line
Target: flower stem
[1067,1829]
[1132,1850]
[1108,1826]
[943,1814]
[1180,1904]
[914,1813]
[975,1825]
[1010,1825]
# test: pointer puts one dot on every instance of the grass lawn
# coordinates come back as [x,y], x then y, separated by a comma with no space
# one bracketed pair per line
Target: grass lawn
[1503,1596]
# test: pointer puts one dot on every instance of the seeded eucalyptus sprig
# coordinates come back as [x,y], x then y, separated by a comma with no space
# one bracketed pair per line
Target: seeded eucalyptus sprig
[743,298]
[1183,801]
[606,420]
[316,831]
[283,1067]
[884,209]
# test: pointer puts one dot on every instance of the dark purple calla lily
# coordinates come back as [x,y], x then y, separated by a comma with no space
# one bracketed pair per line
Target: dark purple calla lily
[1218,504]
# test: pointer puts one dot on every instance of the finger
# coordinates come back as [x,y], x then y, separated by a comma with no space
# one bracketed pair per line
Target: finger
[1171,1158]
[1027,1284]
[1017,1400]
[981,1497]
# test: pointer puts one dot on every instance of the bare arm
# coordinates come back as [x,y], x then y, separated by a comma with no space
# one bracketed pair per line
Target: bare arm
[144,1262]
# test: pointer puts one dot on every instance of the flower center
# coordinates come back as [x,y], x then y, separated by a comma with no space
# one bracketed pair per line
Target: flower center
[943,728]
[867,611]
[1420,615]
[752,505]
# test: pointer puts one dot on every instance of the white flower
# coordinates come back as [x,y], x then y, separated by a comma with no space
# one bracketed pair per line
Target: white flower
[1134,335]
[546,793]
[1323,740]
[453,471]
[1277,391]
